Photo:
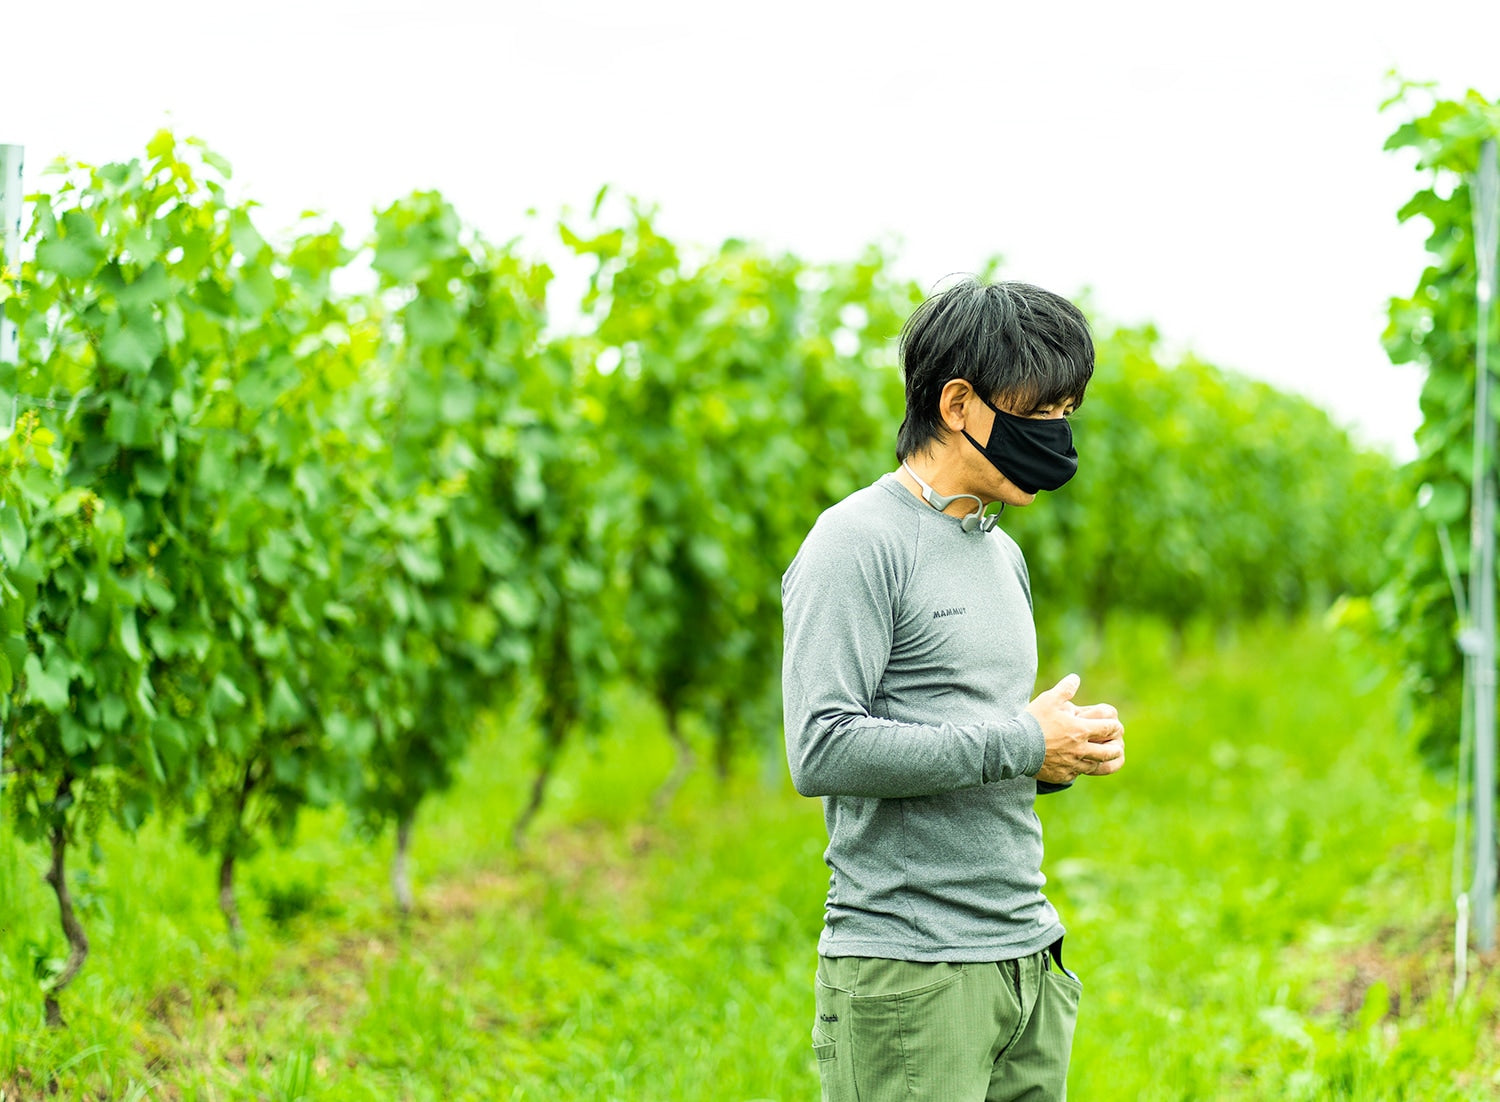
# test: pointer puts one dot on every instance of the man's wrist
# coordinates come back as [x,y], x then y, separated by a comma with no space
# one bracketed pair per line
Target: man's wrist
[1015,749]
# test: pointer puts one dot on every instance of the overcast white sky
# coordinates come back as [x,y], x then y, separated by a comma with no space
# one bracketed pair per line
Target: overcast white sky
[1215,169]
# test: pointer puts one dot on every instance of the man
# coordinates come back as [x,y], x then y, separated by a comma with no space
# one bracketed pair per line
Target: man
[910,657]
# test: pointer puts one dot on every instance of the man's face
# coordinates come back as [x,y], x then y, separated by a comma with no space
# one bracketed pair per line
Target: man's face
[980,420]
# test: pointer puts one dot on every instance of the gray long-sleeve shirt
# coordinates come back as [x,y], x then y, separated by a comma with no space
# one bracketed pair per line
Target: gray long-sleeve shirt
[909,661]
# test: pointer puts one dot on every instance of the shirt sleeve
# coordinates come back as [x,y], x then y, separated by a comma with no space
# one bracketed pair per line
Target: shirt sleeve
[839,602]
[1043,788]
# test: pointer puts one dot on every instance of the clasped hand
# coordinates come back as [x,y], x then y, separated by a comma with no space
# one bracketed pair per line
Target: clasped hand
[1081,739]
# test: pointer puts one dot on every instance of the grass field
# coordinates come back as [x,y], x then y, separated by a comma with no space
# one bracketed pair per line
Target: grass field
[1258,907]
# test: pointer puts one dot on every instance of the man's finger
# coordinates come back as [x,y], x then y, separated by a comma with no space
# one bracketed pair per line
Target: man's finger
[1105,768]
[1105,751]
[1102,730]
[1098,711]
[1065,688]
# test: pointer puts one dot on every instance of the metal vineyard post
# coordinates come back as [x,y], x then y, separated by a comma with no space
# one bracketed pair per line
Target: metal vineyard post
[1486,193]
[11,158]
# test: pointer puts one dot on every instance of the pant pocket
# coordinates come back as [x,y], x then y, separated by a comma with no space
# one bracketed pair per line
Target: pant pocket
[830,1043]
[824,1046]
[1055,962]
[878,978]
[1035,1066]
[916,1032]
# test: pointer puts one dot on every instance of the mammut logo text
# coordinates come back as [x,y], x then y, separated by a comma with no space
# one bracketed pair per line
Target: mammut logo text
[940,613]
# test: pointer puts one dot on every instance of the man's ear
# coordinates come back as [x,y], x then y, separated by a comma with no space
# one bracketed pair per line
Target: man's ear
[952,402]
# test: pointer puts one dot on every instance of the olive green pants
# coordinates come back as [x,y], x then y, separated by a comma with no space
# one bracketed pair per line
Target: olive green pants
[895,1029]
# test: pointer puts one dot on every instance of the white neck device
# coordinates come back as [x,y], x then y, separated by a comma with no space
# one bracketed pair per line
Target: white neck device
[976,519]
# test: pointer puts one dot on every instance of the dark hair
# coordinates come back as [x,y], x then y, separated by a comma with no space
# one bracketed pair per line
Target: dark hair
[1015,343]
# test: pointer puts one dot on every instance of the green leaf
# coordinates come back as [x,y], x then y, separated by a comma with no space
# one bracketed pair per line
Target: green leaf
[135,805]
[390,651]
[77,253]
[162,144]
[135,344]
[146,290]
[275,559]
[88,627]
[210,158]
[113,710]
[120,425]
[431,321]
[258,388]
[459,403]
[1449,502]
[130,638]
[283,710]
[255,291]
[515,604]
[152,478]
[395,595]
[16,650]
[421,564]
[215,469]
[109,535]
[12,535]
[227,692]
[73,735]
[46,686]
[340,613]
[244,236]
[158,595]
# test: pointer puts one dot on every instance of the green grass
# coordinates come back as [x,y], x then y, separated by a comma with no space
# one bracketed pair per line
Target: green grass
[1258,907]
[1269,874]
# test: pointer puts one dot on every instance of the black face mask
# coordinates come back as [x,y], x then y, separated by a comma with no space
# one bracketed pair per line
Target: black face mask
[1034,453]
